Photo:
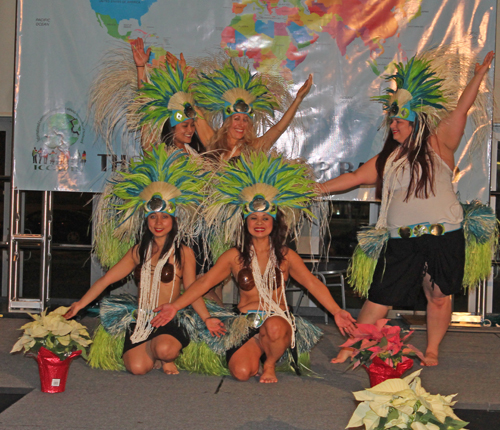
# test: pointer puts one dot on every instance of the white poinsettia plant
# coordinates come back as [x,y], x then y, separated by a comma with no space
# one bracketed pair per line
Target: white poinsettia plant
[55,333]
[403,404]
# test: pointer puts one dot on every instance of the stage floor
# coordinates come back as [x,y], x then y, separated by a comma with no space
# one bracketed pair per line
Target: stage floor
[94,399]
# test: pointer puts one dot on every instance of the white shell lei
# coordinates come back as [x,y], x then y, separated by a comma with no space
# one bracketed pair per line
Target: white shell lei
[149,294]
[266,286]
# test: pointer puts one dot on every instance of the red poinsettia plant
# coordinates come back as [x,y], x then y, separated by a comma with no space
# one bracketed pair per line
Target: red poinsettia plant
[380,340]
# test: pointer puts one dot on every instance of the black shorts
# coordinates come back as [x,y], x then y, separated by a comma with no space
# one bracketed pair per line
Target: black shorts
[398,277]
[251,333]
[171,328]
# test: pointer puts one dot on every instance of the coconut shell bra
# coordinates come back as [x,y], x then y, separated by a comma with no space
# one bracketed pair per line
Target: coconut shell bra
[167,273]
[246,282]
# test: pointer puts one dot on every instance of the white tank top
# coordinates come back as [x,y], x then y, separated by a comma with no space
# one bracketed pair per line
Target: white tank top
[440,207]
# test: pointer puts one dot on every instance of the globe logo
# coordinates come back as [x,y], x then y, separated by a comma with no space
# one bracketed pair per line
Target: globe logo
[57,135]
[60,130]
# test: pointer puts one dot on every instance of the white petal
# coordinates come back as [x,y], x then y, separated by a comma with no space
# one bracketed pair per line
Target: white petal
[358,415]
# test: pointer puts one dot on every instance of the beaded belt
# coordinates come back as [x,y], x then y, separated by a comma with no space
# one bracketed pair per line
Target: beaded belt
[417,230]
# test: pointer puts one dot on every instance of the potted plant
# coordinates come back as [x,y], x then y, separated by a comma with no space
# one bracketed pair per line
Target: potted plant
[54,341]
[380,349]
[404,404]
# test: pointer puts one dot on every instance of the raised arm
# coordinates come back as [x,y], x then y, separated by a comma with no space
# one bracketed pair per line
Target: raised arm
[364,175]
[220,271]
[451,129]
[299,272]
[272,135]
[119,271]
[141,58]
[205,132]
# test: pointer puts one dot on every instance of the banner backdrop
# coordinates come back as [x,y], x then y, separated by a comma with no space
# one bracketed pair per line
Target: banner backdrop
[346,44]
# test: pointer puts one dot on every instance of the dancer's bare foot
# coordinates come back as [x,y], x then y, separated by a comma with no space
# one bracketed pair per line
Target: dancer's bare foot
[343,355]
[157,365]
[430,359]
[268,375]
[170,368]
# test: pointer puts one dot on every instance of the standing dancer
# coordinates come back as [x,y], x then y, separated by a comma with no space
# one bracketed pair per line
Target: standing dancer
[419,237]
[244,103]
[164,104]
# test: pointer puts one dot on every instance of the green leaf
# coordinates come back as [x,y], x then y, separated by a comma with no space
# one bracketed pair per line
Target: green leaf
[393,414]
[453,424]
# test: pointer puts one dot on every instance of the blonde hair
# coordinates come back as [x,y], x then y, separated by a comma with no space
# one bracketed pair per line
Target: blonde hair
[219,140]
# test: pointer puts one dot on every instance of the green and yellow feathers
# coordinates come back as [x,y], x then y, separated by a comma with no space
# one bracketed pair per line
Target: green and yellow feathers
[167,173]
[418,91]
[233,89]
[258,182]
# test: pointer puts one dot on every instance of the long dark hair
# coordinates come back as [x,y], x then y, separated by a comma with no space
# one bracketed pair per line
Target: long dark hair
[278,238]
[147,238]
[167,136]
[419,158]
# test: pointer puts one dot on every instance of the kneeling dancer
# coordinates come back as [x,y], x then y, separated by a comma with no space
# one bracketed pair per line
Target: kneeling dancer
[163,189]
[258,201]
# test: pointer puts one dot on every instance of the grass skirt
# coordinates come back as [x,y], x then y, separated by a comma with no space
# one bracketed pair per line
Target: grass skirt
[206,353]
[481,239]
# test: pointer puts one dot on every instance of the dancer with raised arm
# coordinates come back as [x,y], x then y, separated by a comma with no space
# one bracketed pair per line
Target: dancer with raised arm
[419,238]
[243,102]
[164,108]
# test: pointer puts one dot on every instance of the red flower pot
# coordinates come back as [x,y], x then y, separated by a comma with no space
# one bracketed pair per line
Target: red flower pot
[379,371]
[53,371]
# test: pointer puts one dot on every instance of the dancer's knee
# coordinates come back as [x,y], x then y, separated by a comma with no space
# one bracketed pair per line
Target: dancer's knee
[138,368]
[243,372]
[275,328]
[439,301]
[165,351]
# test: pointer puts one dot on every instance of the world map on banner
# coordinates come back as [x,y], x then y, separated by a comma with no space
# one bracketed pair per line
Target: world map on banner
[270,32]
[348,46]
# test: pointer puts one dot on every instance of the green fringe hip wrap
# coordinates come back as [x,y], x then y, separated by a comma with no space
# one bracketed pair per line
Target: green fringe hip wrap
[371,242]
[480,227]
[106,350]
[481,239]
[206,353]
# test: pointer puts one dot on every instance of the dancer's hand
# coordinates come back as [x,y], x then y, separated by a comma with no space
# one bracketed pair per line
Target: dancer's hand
[319,189]
[172,60]
[304,89]
[345,322]
[215,326]
[141,57]
[166,313]
[73,310]
[482,69]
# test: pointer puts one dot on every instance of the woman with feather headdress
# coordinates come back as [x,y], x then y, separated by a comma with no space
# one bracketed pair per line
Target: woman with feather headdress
[419,237]
[258,201]
[158,196]
[164,106]
[233,102]
[243,103]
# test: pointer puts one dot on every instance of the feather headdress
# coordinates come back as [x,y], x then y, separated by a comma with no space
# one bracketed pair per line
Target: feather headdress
[418,96]
[162,180]
[167,97]
[233,89]
[428,88]
[258,182]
